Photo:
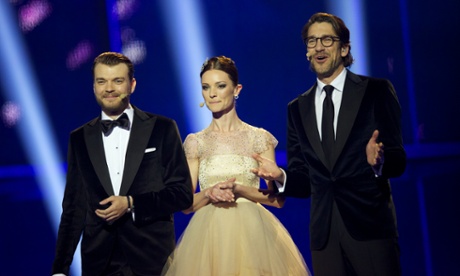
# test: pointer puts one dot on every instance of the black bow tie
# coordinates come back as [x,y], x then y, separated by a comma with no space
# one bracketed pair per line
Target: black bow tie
[108,125]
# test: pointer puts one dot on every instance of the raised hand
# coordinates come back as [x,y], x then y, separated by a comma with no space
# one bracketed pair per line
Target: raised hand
[267,169]
[374,151]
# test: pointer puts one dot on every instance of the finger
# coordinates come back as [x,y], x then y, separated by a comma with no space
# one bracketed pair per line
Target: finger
[99,213]
[374,137]
[257,157]
[105,201]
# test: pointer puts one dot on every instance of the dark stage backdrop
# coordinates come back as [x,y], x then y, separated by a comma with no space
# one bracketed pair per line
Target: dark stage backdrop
[409,42]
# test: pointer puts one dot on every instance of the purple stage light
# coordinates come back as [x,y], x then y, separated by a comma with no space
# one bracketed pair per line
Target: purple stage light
[11,113]
[33,13]
[81,54]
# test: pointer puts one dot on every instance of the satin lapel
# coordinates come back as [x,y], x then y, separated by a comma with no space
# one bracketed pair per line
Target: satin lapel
[353,93]
[308,117]
[95,146]
[140,134]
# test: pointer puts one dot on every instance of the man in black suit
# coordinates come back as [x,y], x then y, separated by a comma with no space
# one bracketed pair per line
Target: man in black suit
[127,174]
[353,223]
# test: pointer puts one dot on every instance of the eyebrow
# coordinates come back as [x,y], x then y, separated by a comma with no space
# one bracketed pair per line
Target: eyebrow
[116,78]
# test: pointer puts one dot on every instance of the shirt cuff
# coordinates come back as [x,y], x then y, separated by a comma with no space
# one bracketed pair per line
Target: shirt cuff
[378,171]
[279,185]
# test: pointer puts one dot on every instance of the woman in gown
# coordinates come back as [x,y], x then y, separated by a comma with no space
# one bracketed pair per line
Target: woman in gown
[231,233]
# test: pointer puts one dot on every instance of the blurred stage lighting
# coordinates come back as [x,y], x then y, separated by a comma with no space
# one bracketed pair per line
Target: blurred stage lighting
[20,87]
[80,55]
[183,18]
[11,113]
[33,13]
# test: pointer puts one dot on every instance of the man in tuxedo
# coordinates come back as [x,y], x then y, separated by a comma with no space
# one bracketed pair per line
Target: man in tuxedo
[127,174]
[344,165]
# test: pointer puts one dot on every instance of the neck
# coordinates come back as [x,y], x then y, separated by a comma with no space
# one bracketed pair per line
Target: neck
[226,123]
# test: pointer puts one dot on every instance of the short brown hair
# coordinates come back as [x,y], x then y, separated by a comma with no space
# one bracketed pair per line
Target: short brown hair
[113,58]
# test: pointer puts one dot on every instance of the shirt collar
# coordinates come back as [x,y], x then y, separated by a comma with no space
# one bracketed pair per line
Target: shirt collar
[129,111]
[338,82]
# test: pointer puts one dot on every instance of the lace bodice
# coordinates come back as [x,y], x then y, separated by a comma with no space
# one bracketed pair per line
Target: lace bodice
[223,155]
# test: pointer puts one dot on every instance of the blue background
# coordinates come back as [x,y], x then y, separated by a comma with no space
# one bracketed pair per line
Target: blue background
[263,37]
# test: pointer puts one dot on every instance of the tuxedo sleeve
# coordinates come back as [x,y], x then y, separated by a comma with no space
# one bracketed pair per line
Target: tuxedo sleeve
[72,218]
[176,194]
[388,117]
[297,174]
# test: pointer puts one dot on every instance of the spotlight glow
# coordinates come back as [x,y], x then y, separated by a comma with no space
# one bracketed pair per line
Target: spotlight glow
[81,54]
[33,13]
[184,20]
[11,113]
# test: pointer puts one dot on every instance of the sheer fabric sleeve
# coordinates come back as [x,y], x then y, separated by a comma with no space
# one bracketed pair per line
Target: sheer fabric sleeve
[263,140]
[191,146]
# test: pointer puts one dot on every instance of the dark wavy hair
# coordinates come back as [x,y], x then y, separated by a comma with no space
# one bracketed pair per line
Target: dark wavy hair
[339,27]
[222,63]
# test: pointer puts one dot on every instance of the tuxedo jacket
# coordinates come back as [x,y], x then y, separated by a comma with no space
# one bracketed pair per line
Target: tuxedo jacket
[158,179]
[363,200]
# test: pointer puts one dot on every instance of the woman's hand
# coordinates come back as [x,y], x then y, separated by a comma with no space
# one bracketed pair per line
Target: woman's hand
[222,192]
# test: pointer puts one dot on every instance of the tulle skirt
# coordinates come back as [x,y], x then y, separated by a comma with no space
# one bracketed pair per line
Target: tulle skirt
[241,238]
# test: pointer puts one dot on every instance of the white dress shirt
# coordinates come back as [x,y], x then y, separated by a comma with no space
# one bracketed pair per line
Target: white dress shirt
[115,146]
[320,95]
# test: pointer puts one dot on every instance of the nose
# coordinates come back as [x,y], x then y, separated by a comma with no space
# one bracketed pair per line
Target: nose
[109,87]
[319,44]
[212,93]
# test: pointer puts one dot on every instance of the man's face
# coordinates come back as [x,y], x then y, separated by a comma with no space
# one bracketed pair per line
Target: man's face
[112,88]
[326,62]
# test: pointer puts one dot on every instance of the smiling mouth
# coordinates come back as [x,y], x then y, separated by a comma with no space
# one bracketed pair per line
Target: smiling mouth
[321,58]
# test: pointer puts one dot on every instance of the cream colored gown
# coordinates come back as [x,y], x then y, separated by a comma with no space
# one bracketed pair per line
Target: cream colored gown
[241,238]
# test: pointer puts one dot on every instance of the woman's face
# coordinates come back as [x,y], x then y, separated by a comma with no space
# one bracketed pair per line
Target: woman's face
[218,91]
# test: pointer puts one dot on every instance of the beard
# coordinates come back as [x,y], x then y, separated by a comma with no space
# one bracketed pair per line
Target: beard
[325,70]
[114,107]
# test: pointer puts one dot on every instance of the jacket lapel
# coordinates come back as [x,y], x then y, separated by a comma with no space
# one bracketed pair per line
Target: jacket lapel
[95,146]
[141,132]
[353,93]
[308,117]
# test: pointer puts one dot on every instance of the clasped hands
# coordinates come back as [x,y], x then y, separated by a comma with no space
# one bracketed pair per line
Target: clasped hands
[222,192]
[118,206]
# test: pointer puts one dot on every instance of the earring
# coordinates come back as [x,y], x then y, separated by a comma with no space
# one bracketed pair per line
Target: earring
[236,97]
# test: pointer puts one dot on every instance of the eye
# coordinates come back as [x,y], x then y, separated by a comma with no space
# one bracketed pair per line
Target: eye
[204,87]
[100,82]
[327,39]
[119,81]
[222,85]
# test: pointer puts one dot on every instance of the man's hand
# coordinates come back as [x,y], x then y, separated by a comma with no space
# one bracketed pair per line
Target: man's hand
[374,151]
[267,169]
[118,206]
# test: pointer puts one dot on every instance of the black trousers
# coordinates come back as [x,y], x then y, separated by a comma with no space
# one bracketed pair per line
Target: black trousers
[345,256]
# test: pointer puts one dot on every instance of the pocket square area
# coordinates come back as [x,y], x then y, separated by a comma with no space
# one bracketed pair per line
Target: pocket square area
[150,150]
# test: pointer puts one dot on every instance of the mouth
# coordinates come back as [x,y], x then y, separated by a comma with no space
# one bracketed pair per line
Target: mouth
[320,58]
[114,96]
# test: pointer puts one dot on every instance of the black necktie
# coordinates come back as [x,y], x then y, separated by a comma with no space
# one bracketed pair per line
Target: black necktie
[327,125]
[108,125]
